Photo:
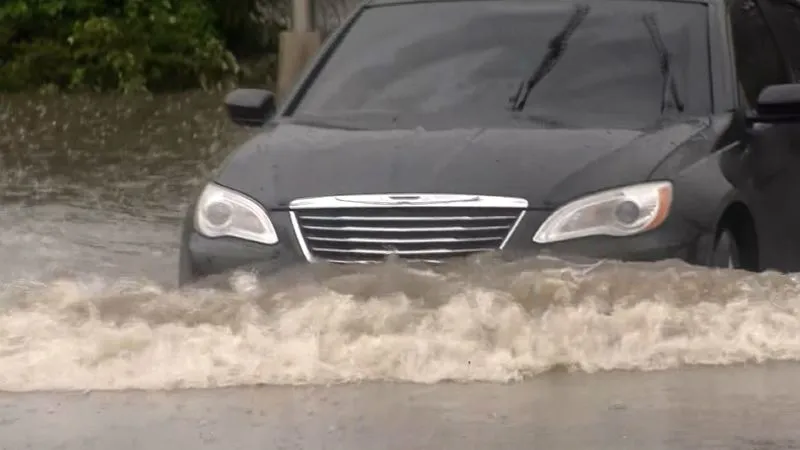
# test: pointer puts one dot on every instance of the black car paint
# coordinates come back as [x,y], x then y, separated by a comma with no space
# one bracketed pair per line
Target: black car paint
[701,157]
[501,162]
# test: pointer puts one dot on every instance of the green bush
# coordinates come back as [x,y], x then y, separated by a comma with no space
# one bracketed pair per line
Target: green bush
[125,45]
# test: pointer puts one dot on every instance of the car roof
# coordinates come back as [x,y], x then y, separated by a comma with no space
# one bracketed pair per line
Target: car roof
[395,2]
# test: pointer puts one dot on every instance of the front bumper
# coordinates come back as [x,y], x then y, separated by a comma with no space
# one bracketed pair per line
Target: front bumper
[202,257]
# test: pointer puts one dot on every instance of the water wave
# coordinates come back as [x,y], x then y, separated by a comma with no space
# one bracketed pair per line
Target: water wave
[491,322]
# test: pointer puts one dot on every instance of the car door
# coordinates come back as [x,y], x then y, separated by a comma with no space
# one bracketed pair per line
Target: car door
[772,165]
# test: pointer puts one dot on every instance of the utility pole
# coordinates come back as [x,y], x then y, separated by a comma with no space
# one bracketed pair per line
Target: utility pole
[297,46]
[302,17]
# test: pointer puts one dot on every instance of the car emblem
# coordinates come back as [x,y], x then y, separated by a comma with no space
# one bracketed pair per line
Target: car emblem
[407,199]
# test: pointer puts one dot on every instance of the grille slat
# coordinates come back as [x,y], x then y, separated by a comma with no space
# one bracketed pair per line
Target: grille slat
[427,251]
[426,233]
[403,229]
[401,240]
[364,261]
[401,218]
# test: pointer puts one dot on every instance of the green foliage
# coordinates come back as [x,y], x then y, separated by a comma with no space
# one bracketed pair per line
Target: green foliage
[124,45]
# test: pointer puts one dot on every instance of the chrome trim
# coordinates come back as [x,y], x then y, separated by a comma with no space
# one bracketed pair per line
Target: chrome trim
[400,230]
[395,200]
[512,230]
[400,241]
[364,262]
[301,240]
[433,251]
[401,218]
[372,201]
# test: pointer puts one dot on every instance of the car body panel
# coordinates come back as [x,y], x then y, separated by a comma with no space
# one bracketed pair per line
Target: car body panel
[299,161]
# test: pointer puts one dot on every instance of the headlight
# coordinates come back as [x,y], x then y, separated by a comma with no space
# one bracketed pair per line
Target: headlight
[617,212]
[223,212]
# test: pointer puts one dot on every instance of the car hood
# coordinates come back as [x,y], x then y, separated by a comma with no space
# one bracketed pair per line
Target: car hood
[545,166]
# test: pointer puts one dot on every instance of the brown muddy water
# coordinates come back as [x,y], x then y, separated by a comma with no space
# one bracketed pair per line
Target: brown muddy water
[98,349]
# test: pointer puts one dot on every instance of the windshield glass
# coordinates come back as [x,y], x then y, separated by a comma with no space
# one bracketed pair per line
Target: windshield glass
[457,63]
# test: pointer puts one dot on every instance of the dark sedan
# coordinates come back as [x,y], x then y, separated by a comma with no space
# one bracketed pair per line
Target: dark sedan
[427,130]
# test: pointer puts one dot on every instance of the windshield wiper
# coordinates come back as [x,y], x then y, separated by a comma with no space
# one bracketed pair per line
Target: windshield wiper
[556,48]
[669,85]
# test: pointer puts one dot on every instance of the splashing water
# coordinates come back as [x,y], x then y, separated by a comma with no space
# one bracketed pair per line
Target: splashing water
[98,185]
[494,322]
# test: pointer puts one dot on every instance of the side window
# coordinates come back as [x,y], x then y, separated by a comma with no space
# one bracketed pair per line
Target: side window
[784,16]
[758,61]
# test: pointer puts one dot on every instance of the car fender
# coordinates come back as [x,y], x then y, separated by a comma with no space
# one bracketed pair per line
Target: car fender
[701,184]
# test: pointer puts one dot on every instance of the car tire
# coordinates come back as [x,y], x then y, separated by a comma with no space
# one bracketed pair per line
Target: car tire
[727,252]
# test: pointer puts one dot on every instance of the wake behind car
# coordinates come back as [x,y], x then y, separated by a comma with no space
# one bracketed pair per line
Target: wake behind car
[621,129]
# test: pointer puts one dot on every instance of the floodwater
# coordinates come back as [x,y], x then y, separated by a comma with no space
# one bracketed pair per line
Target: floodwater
[99,350]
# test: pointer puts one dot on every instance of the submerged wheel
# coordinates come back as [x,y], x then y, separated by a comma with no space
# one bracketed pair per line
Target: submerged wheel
[727,252]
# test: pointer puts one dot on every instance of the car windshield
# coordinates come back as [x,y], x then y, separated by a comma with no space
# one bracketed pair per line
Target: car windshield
[460,63]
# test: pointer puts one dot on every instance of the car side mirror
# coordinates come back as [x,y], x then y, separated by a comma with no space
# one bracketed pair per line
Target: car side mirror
[778,103]
[250,107]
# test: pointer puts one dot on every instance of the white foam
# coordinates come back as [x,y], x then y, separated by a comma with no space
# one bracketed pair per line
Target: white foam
[390,323]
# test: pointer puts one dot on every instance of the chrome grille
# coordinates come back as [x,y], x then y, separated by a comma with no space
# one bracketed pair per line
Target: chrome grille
[340,232]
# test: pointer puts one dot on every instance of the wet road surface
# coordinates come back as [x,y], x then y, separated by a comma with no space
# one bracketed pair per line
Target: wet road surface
[753,408]
[98,350]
